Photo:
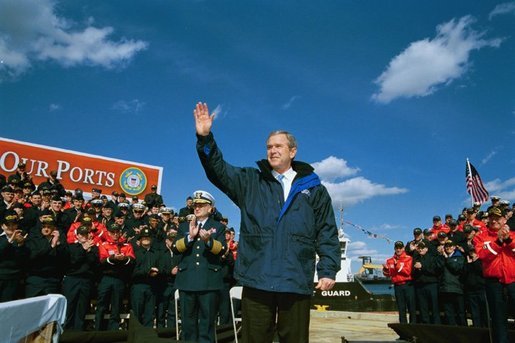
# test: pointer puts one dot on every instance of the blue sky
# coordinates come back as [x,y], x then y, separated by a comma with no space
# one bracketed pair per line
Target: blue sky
[387,99]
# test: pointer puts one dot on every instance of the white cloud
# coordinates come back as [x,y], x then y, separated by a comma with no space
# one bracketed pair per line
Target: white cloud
[290,102]
[351,191]
[360,248]
[489,156]
[131,106]
[216,112]
[30,31]
[358,189]
[333,168]
[54,107]
[428,64]
[503,189]
[504,8]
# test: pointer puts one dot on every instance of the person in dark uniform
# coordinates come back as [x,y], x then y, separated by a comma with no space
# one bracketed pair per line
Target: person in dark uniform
[427,269]
[48,253]
[187,210]
[201,243]
[116,262]
[79,278]
[13,255]
[53,183]
[7,200]
[56,205]
[136,221]
[451,286]
[458,237]
[168,269]
[153,198]
[418,236]
[143,297]
[474,286]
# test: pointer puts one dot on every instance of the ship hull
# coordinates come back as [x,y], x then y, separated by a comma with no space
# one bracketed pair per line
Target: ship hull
[352,296]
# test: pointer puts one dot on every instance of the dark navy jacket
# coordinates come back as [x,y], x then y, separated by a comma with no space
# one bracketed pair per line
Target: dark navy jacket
[200,266]
[279,240]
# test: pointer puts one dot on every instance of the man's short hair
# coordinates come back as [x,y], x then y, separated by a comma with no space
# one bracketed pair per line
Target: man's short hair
[292,142]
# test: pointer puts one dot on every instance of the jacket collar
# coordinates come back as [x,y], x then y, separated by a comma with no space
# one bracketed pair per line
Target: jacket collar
[302,169]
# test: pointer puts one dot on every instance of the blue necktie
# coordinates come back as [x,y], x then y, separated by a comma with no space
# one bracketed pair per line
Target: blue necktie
[280,177]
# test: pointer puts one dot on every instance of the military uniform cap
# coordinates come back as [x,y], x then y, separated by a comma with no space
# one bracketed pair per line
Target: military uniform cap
[83,230]
[97,202]
[46,191]
[153,187]
[86,221]
[427,232]
[96,190]
[21,165]
[113,227]
[398,244]
[11,218]
[123,205]
[48,221]
[461,217]
[468,229]
[57,198]
[203,197]
[138,207]
[154,216]
[421,245]
[453,222]
[449,242]
[28,185]
[8,189]
[442,234]
[166,210]
[171,234]
[495,198]
[495,211]
[437,218]
[417,231]
[145,233]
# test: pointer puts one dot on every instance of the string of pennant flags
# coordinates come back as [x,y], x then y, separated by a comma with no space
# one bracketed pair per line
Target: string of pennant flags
[369,233]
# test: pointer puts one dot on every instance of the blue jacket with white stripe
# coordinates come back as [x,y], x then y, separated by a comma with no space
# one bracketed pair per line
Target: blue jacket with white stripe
[279,239]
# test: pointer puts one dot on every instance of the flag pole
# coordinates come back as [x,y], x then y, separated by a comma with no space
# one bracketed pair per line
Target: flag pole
[470,176]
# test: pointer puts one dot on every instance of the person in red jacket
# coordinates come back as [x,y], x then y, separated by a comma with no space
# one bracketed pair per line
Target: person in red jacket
[398,268]
[116,261]
[472,220]
[97,229]
[496,249]
[438,227]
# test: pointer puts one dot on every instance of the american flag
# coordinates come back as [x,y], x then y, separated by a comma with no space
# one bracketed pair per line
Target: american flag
[475,186]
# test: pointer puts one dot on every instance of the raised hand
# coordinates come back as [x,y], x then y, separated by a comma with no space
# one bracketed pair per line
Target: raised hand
[193,228]
[203,121]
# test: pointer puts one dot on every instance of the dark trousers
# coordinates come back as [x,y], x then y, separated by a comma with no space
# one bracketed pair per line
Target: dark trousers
[454,308]
[497,306]
[165,303]
[198,315]
[224,305]
[260,310]
[476,302]
[405,298]
[77,291]
[37,285]
[143,303]
[8,290]
[427,300]
[110,294]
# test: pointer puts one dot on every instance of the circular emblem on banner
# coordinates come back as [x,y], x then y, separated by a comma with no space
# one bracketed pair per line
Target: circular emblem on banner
[133,181]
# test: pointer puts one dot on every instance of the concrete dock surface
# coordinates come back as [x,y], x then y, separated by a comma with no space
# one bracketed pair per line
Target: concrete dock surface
[331,326]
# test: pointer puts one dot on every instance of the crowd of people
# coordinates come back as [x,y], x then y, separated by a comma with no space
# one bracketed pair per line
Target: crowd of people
[459,266]
[106,249]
